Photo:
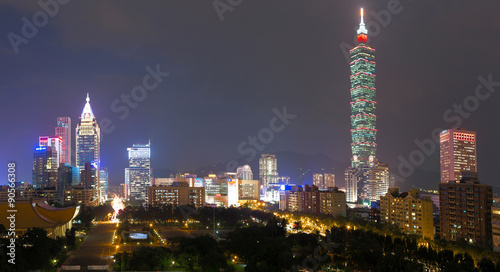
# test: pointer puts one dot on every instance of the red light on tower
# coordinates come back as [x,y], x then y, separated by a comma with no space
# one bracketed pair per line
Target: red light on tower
[362,38]
[362,31]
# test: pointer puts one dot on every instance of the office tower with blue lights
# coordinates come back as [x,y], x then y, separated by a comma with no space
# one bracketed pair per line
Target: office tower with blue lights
[88,146]
[139,170]
[103,181]
[366,178]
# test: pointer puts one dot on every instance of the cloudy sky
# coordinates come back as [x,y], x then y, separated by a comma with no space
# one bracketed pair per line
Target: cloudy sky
[230,66]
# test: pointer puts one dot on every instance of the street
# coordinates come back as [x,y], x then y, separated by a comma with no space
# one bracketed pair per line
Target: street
[95,249]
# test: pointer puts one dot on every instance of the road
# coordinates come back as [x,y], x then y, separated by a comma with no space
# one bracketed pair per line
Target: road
[95,249]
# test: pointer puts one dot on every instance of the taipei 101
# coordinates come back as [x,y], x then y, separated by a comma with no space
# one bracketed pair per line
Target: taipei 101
[249,136]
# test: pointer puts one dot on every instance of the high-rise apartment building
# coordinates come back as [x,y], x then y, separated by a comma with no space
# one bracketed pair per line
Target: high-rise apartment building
[324,180]
[88,144]
[411,212]
[268,170]
[457,153]
[63,132]
[361,176]
[139,170]
[318,180]
[465,210]
[329,180]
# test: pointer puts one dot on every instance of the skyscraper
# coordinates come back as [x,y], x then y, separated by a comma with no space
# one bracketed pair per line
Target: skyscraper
[88,144]
[63,131]
[365,175]
[318,180]
[139,157]
[44,168]
[457,153]
[329,180]
[126,184]
[103,183]
[268,170]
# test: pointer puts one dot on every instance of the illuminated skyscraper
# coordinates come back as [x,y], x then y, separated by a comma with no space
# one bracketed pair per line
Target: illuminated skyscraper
[139,170]
[457,153]
[63,132]
[46,162]
[103,181]
[88,144]
[268,170]
[365,178]
[44,167]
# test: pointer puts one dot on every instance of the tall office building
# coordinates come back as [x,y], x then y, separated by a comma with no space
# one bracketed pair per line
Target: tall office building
[139,157]
[126,184]
[457,153]
[88,144]
[364,173]
[103,183]
[44,168]
[89,180]
[268,170]
[64,180]
[63,132]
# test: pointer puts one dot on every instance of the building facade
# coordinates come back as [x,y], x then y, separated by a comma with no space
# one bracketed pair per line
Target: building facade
[44,172]
[412,213]
[311,200]
[88,144]
[103,183]
[465,211]
[457,153]
[363,177]
[268,170]
[178,194]
[139,170]
[244,172]
[63,132]
[495,227]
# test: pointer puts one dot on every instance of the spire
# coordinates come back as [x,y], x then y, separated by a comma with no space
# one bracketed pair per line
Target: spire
[87,110]
[362,31]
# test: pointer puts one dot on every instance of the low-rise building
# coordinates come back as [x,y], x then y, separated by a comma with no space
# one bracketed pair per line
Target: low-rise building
[178,194]
[38,214]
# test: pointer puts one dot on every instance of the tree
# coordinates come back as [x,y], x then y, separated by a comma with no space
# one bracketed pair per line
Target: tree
[486,265]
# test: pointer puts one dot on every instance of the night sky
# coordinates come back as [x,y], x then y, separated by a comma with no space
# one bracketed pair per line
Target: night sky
[226,77]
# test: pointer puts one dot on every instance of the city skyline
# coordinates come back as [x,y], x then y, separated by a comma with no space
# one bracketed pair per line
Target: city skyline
[321,128]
